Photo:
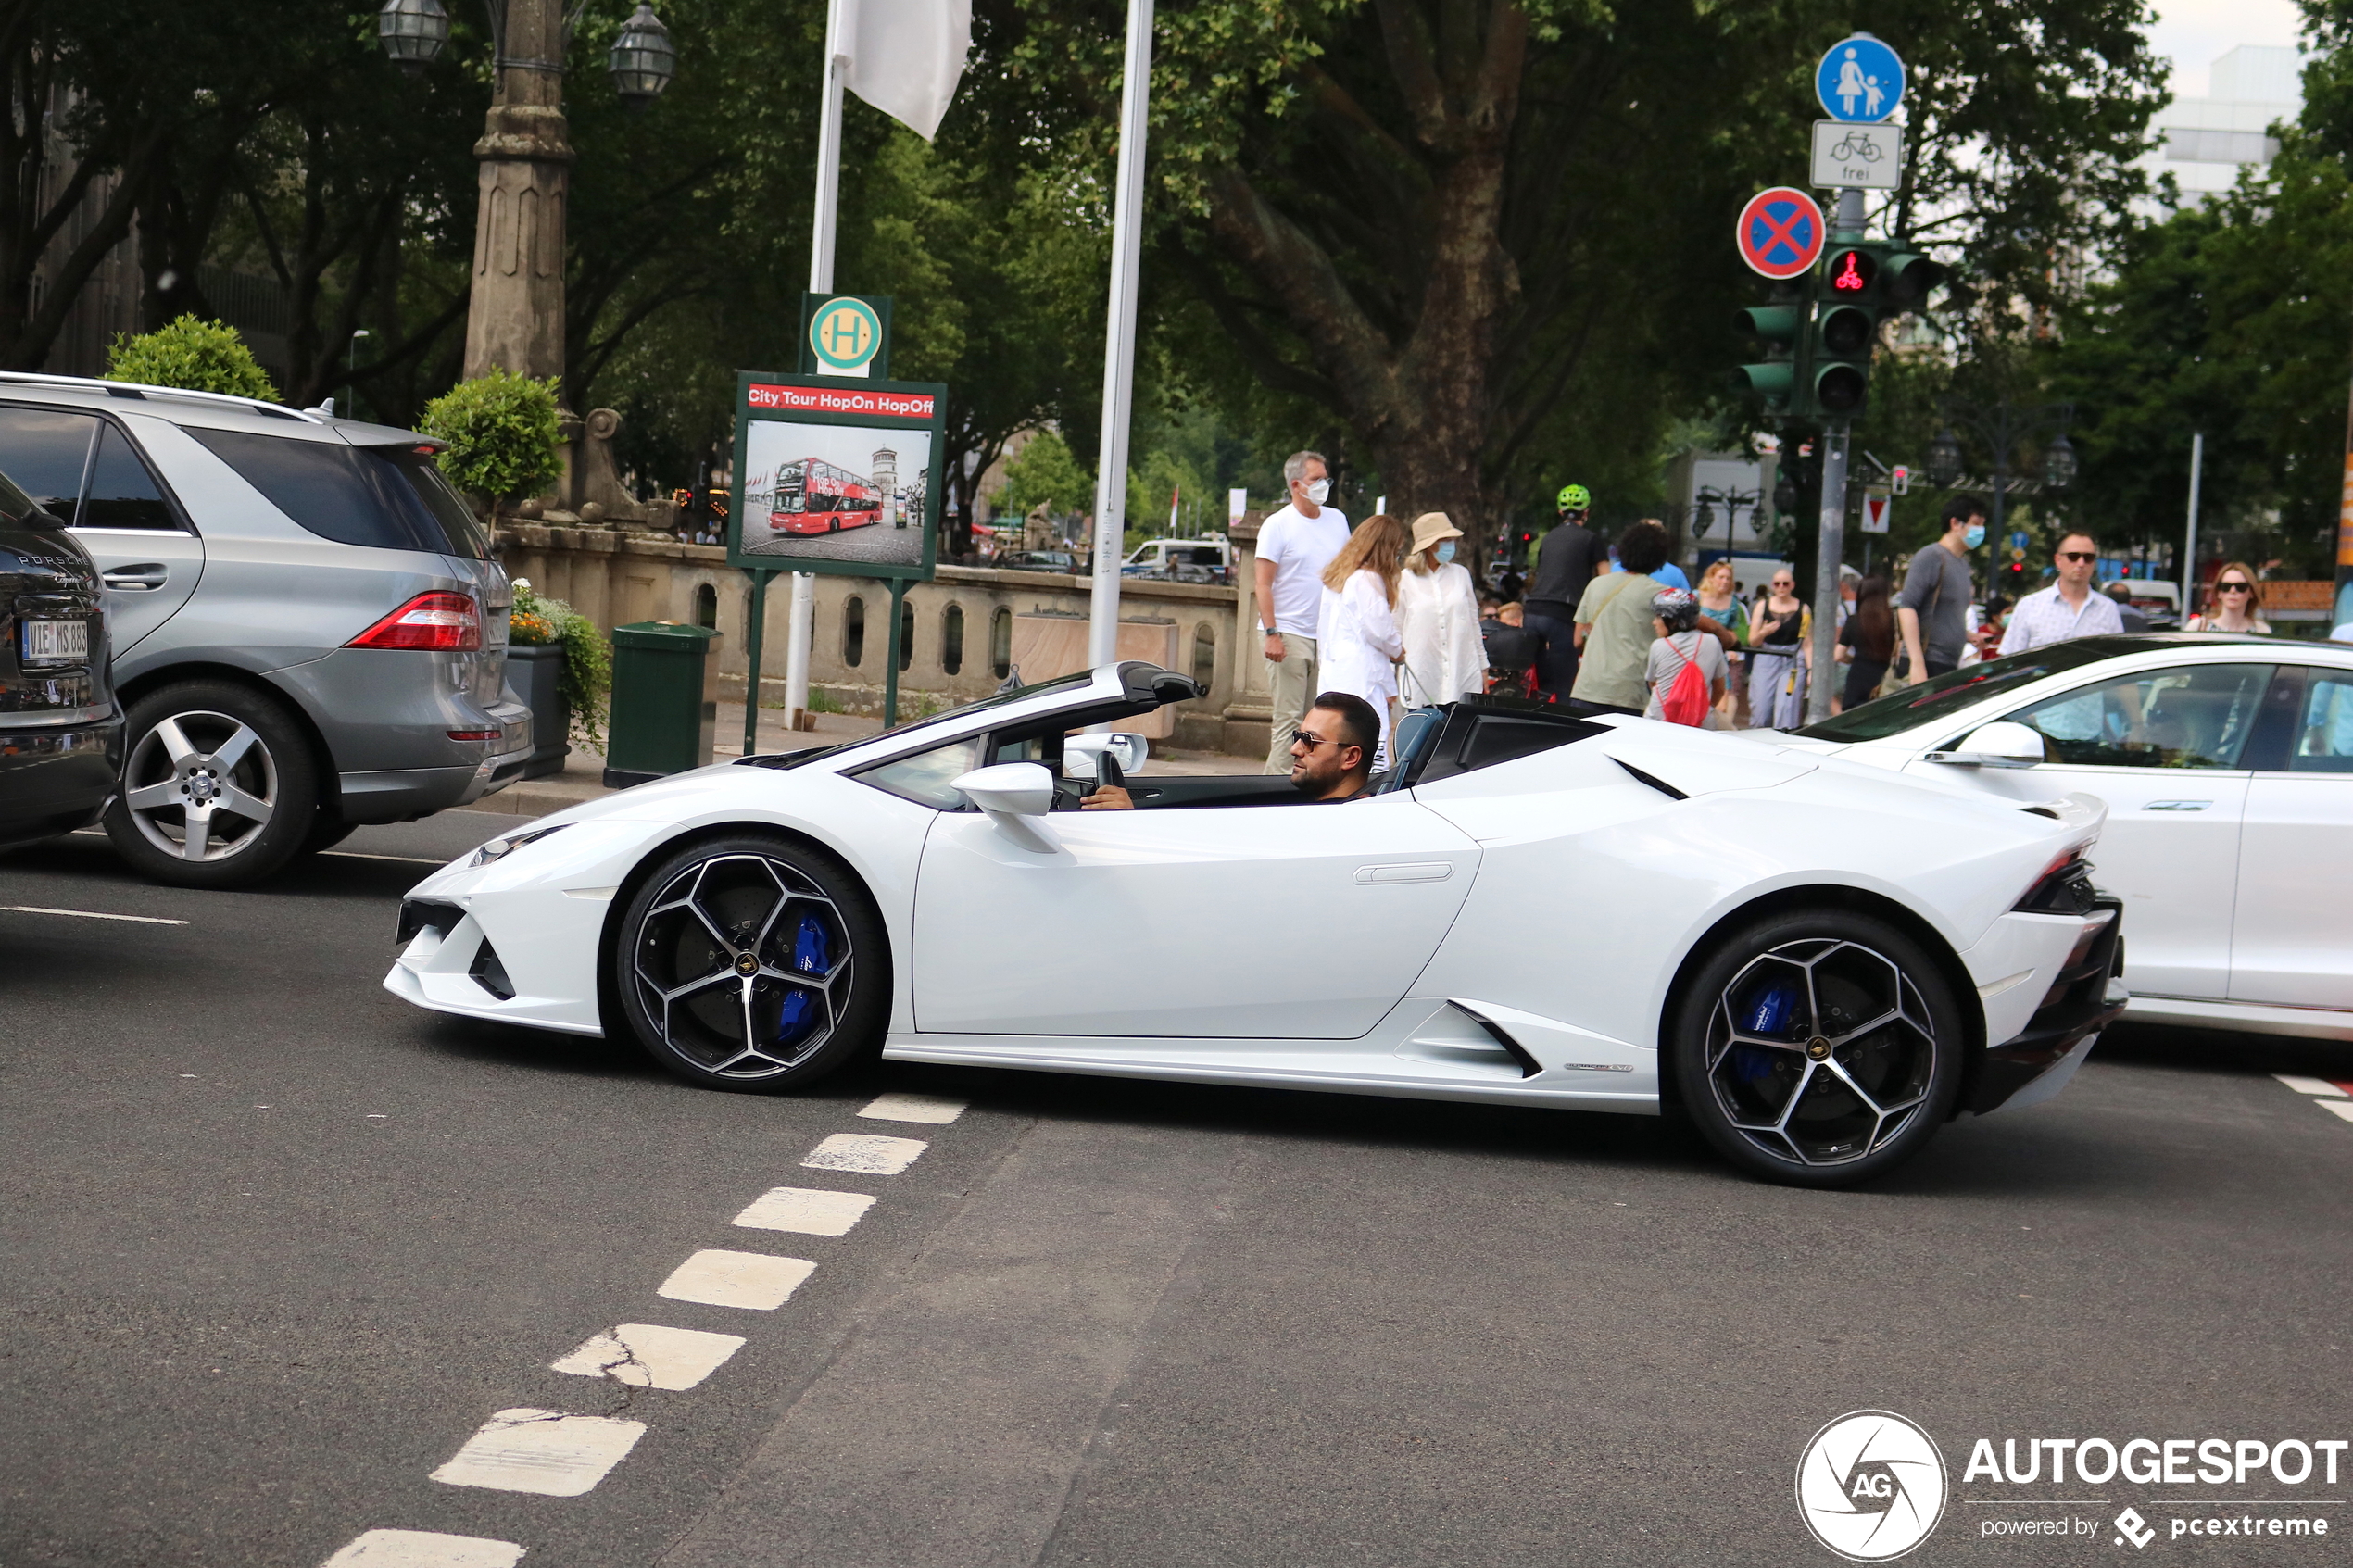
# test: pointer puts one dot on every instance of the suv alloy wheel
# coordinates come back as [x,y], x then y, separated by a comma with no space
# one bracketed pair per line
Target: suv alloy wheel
[218,786]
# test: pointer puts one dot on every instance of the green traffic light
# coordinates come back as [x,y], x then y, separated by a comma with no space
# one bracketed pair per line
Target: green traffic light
[1906,279]
[1846,331]
[1838,389]
[1774,323]
[1771,381]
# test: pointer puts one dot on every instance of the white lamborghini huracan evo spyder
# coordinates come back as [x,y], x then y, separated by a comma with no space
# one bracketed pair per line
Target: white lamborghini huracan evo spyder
[1818,960]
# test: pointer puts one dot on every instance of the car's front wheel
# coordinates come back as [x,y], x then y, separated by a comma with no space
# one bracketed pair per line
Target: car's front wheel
[1817,1048]
[219,787]
[752,962]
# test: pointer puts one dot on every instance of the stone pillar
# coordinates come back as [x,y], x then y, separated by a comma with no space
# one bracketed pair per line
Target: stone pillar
[516,319]
[1250,709]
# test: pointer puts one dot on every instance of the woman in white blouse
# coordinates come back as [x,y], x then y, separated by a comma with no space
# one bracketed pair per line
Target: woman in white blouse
[1357,646]
[1438,619]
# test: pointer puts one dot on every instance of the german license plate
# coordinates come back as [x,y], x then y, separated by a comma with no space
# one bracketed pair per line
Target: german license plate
[56,642]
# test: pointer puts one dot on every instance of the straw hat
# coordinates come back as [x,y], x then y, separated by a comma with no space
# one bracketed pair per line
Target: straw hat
[1431,527]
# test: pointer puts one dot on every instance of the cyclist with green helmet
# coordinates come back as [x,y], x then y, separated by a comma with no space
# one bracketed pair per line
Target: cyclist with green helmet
[1566,561]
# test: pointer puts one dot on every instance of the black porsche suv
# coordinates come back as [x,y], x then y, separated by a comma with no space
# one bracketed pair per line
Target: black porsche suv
[61,729]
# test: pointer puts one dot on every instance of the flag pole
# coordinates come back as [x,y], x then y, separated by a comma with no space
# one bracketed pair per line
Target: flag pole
[1119,338]
[821,281]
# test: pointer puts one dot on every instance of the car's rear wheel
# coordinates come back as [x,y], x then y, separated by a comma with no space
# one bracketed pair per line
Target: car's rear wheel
[752,962]
[220,788]
[1818,1048]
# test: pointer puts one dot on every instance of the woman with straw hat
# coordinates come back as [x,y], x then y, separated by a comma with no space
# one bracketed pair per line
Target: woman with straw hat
[1438,619]
[1356,643]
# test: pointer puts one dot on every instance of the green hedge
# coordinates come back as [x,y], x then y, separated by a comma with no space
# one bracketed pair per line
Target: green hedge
[194,355]
[501,433]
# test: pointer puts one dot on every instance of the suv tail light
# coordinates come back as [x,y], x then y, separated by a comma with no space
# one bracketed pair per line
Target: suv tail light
[439,623]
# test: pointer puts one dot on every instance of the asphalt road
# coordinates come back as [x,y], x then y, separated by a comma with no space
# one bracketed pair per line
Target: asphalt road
[273,1245]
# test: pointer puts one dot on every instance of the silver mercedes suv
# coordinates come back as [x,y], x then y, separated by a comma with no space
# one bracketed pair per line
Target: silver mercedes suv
[309,632]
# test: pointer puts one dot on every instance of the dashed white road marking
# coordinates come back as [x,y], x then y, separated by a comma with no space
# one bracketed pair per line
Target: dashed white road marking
[2338,1107]
[757,1280]
[806,1211]
[866,1152]
[89,914]
[547,1453]
[364,854]
[647,1355]
[424,1548]
[2308,1086]
[937,1110]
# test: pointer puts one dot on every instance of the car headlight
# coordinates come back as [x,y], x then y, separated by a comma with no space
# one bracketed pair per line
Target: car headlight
[500,849]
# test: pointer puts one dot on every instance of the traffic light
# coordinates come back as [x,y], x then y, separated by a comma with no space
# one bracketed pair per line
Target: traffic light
[1863,284]
[1778,381]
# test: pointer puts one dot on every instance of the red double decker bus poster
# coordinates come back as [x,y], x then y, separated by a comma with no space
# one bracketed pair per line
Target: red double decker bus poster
[837,477]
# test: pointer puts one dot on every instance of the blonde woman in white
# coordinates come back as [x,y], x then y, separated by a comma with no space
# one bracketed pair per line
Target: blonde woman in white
[1438,619]
[1357,646]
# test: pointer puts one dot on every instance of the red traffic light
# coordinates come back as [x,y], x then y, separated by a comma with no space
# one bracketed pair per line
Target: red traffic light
[1852,271]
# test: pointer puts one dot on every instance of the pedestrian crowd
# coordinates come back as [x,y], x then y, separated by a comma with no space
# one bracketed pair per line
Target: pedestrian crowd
[1386,615]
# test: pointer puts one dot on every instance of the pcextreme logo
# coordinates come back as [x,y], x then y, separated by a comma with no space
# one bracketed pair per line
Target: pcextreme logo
[1871,1485]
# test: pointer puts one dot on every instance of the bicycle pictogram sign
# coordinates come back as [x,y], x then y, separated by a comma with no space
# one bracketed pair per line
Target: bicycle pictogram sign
[1780,231]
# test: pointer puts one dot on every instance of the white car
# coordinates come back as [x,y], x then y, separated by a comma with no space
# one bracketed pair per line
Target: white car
[1822,961]
[2227,766]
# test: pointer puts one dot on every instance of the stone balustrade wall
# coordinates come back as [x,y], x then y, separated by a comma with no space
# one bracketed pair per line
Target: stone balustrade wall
[962,624]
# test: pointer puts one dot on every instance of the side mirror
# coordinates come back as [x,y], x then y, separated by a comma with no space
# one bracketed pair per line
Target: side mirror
[1011,794]
[1010,789]
[1999,745]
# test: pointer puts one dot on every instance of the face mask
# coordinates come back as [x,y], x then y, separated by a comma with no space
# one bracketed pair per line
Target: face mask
[1320,491]
[1975,536]
[1446,553]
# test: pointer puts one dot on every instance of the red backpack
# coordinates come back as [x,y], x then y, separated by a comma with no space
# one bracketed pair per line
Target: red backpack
[1685,699]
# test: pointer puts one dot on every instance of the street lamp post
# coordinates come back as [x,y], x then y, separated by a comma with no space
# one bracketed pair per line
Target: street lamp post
[350,370]
[515,316]
[2001,427]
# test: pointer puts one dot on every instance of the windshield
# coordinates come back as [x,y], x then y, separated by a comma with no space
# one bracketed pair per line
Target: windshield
[1964,688]
[1059,683]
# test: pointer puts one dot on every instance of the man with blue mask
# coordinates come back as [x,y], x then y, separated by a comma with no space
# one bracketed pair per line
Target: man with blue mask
[1931,614]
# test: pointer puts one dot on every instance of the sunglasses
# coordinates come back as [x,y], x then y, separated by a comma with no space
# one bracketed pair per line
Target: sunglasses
[2234,588]
[2078,555]
[1308,739]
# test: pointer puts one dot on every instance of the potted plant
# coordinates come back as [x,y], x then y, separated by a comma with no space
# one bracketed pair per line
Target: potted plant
[501,436]
[562,669]
[198,355]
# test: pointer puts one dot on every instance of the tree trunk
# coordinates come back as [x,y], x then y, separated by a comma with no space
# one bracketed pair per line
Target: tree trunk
[1423,400]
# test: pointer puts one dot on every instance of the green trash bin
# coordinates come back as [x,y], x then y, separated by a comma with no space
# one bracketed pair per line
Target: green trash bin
[665,701]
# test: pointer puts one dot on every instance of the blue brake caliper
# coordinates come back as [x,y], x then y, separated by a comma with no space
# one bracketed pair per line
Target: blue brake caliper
[811,954]
[1769,1013]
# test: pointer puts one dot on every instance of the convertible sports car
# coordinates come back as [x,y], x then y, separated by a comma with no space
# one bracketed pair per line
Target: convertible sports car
[1822,963]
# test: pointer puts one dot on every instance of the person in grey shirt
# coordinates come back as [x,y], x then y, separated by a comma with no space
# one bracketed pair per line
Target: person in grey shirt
[1931,613]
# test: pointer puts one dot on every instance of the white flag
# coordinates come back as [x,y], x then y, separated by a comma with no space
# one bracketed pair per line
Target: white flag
[905,55]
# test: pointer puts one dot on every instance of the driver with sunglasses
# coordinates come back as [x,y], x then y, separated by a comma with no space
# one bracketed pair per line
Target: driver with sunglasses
[2068,608]
[1331,754]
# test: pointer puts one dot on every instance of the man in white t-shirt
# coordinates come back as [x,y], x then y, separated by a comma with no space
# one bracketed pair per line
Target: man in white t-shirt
[1294,545]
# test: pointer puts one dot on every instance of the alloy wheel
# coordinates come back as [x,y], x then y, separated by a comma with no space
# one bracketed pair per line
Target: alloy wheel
[201,785]
[1820,1051]
[743,965]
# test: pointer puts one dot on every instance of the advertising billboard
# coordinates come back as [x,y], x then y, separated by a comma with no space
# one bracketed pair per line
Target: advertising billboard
[838,476]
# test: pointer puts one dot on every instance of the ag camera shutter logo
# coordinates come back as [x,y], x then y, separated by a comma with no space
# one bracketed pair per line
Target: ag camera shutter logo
[1871,1485]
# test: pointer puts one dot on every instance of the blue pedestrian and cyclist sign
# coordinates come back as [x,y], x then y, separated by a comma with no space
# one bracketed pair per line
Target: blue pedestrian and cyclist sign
[1860,80]
[1780,231]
